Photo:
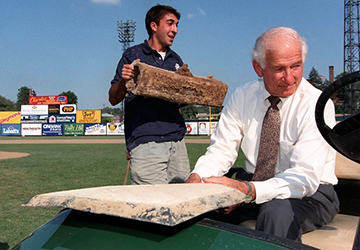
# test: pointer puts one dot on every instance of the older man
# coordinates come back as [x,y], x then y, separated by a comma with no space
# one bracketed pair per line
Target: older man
[289,168]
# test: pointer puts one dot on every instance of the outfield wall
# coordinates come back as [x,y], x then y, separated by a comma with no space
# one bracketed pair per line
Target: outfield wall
[65,120]
[87,129]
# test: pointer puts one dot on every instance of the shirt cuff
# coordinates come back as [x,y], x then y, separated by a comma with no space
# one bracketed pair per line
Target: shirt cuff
[262,194]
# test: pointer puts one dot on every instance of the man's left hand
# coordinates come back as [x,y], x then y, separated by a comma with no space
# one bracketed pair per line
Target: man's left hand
[241,186]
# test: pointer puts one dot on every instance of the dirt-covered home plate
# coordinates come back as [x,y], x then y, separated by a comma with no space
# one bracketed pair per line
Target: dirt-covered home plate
[166,204]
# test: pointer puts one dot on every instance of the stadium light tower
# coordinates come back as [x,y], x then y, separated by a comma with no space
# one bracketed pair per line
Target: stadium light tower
[351,47]
[126,31]
[126,34]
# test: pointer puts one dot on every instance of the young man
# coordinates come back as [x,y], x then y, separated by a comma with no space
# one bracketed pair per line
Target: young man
[154,129]
[296,195]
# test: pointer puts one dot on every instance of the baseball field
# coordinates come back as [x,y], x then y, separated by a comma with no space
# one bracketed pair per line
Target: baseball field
[36,165]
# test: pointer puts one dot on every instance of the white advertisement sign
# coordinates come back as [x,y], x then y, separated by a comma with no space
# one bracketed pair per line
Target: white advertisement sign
[34,109]
[31,129]
[191,128]
[115,129]
[213,126]
[95,129]
[204,128]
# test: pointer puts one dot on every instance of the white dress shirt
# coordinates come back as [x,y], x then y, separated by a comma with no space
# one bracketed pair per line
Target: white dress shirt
[305,159]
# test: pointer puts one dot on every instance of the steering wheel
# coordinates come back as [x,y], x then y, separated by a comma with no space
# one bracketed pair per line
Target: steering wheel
[344,136]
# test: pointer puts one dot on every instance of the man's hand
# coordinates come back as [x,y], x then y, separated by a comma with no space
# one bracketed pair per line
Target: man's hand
[227,182]
[241,186]
[117,90]
[194,178]
[128,71]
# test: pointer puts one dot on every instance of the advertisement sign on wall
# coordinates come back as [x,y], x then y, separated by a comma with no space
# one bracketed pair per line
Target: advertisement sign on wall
[191,128]
[46,100]
[204,128]
[30,129]
[54,109]
[88,116]
[95,129]
[52,129]
[68,109]
[34,109]
[214,126]
[34,118]
[62,118]
[73,129]
[115,129]
[10,117]
[10,129]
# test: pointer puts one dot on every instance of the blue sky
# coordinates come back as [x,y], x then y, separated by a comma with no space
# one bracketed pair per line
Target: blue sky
[60,45]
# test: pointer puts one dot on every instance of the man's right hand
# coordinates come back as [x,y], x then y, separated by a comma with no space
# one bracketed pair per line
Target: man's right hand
[194,178]
[128,71]
[118,90]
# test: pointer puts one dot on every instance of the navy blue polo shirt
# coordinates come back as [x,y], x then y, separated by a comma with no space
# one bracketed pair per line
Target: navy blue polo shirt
[150,119]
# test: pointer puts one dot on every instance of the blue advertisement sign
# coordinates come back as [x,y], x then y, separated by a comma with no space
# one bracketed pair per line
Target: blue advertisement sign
[62,118]
[10,129]
[52,129]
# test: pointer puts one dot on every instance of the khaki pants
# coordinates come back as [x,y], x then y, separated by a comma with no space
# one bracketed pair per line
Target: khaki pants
[159,163]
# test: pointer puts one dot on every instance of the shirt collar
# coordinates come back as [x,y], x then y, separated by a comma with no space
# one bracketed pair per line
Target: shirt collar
[265,95]
[148,50]
[267,102]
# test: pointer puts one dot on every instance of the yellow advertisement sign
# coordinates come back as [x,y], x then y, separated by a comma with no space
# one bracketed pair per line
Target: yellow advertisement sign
[88,116]
[10,117]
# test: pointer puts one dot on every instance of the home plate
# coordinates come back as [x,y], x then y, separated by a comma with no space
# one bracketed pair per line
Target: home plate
[166,204]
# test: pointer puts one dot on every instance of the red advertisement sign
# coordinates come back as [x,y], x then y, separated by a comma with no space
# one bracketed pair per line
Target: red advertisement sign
[46,100]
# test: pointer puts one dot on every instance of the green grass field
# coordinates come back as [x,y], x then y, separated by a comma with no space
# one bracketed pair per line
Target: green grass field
[56,167]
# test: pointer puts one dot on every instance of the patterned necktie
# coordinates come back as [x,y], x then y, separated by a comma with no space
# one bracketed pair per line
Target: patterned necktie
[269,142]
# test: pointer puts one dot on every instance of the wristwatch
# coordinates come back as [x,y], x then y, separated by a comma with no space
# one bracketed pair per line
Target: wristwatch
[249,195]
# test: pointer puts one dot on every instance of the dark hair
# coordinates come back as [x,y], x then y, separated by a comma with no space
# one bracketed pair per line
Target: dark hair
[156,13]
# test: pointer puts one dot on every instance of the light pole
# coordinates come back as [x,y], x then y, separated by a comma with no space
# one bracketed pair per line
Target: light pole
[126,34]
[126,31]
[351,49]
